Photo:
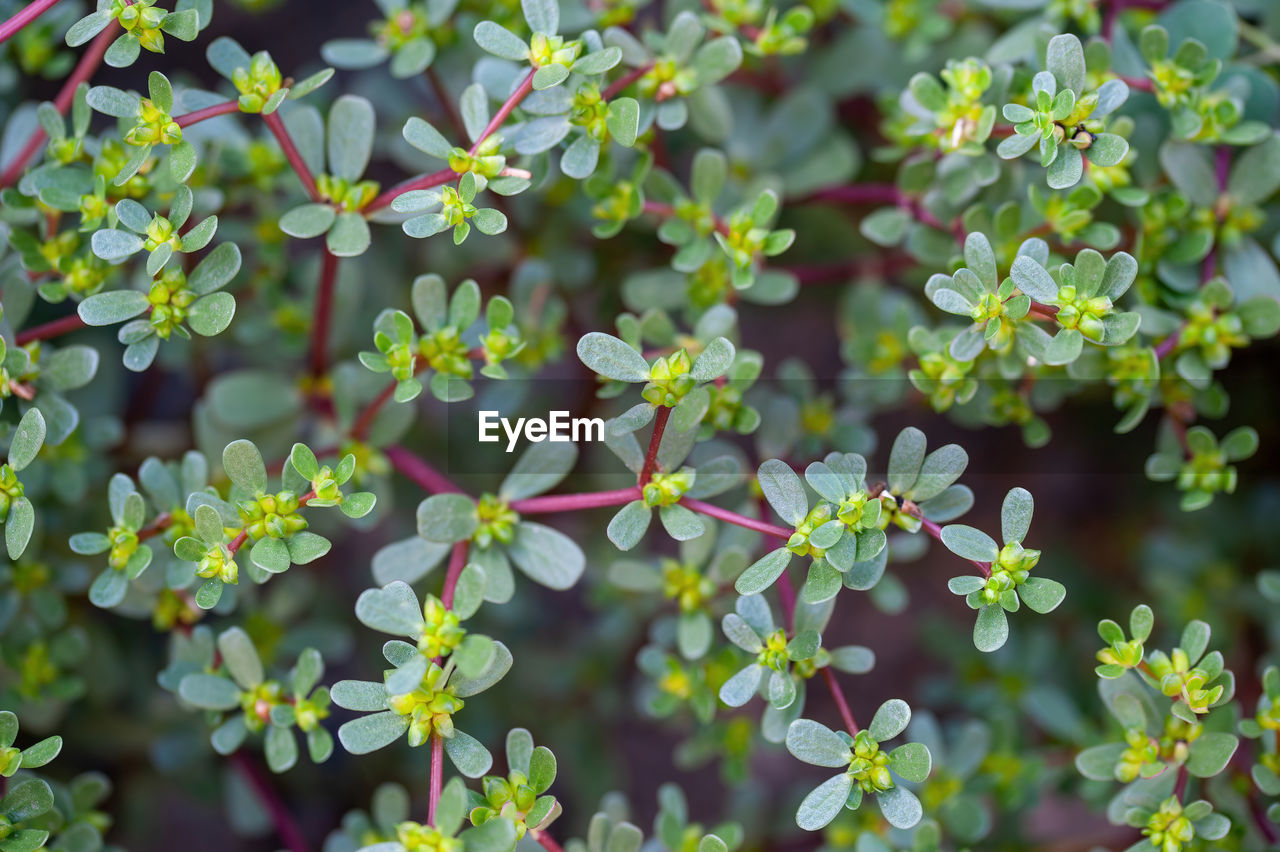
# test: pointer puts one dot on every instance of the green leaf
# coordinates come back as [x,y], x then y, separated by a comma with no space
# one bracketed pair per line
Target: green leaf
[900,807]
[308,220]
[18,527]
[905,459]
[1195,639]
[500,41]
[27,800]
[40,754]
[969,543]
[1256,174]
[1065,60]
[27,439]
[1210,753]
[890,720]
[392,609]
[349,236]
[546,556]
[763,572]
[543,15]
[240,658]
[1015,515]
[911,761]
[991,630]
[370,733]
[244,466]
[742,687]
[447,518]
[1033,279]
[623,121]
[542,769]
[280,748]
[350,137]
[209,692]
[629,525]
[817,744]
[612,358]
[784,490]
[824,803]
[211,314]
[1041,594]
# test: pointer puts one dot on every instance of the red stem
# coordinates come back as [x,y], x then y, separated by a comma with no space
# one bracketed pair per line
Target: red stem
[190,118]
[457,561]
[422,182]
[50,329]
[287,830]
[323,312]
[617,86]
[841,703]
[437,776]
[521,92]
[575,502]
[29,13]
[420,472]
[360,428]
[655,441]
[546,840]
[292,154]
[713,511]
[84,69]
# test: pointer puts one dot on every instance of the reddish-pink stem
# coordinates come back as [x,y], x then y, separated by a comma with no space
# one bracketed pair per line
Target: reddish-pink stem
[190,118]
[841,703]
[437,776]
[655,441]
[422,182]
[360,427]
[457,561]
[28,14]
[286,829]
[521,92]
[323,317]
[575,502]
[617,86]
[84,69]
[548,843]
[714,511]
[420,472]
[292,154]
[50,329]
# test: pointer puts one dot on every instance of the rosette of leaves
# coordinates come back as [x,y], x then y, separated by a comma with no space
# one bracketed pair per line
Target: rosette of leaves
[448,209]
[841,533]
[1065,121]
[1170,825]
[1184,83]
[674,829]
[682,65]
[499,537]
[144,23]
[22,808]
[691,581]
[175,305]
[404,34]
[1006,579]
[869,770]
[151,124]
[744,237]
[46,373]
[257,78]
[675,381]
[1202,466]
[519,797]
[239,686]
[594,120]
[338,155]
[160,236]
[999,309]
[495,835]
[955,114]
[19,515]
[552,56]
[127,555]
[425,706]
[34,756]
[944,379]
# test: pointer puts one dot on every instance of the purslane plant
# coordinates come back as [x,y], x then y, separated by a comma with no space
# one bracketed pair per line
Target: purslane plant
[1089,187]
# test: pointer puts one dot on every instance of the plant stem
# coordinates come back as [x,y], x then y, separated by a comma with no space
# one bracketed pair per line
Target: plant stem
[323,316]
[50,329]
[292,154]
[522,91]
[936,531]
[457,561]
[617,86]
[437,776]
[28,14]
[575,502]
[190,118]
[864,193]
[842,703]
[420,472]
[286,829]
[84,69]
[655,441]
[714,511]
[360,427]
[546,840]
[422,182]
